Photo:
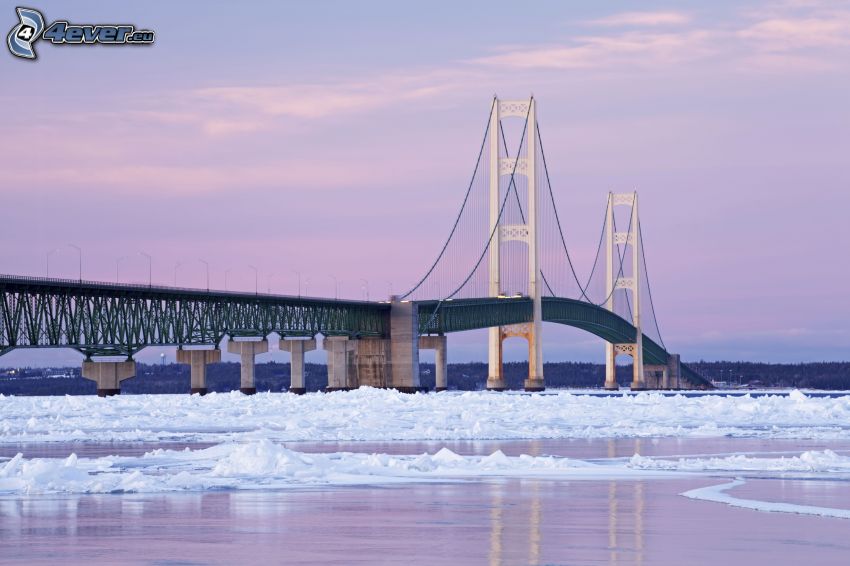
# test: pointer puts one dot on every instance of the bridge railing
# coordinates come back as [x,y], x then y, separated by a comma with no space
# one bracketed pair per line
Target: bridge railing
[106,285]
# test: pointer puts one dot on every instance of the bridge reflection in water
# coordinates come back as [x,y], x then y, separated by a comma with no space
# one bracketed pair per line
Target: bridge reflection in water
[497,522]
[527,520]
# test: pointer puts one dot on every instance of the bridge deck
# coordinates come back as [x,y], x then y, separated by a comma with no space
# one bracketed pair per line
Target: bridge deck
[99,318]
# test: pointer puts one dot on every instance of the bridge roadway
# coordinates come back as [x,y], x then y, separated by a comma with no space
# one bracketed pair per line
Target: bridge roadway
[368,343]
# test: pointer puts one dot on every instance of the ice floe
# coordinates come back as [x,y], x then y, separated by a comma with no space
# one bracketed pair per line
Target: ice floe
[263,464]
[717,494]
[809,461]
[378,415]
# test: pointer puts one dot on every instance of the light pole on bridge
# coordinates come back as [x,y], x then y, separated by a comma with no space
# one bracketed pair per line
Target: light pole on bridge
[51,252]
[150,267]
[269,283]
[365,288]
[306,286]
[336,286]
[80,260]
[176,267]
[118,268]
[207,265]
[256,279]
[298,274]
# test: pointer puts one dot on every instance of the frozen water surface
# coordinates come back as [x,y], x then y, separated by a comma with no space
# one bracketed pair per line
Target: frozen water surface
[376,476]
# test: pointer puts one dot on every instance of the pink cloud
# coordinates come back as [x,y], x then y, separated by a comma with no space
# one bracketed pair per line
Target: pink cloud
[599,52]
[643,19]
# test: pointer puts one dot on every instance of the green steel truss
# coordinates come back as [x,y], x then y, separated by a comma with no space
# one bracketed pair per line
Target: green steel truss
[469,314]
[106,319]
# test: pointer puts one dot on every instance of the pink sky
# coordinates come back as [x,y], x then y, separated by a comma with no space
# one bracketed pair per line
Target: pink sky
[338,140]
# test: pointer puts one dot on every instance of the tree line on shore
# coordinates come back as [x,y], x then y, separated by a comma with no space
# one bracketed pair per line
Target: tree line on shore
[274,376]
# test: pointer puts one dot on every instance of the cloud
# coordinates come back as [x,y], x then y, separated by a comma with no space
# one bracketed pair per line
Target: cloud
[175,180]
[643,19]
[601,51]
[320,100]
[786,34]
[787,37]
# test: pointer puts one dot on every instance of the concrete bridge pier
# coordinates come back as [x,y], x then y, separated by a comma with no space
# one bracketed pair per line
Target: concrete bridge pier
[108,375]
[655,376]
[610,368]
[248,349]
[404,346]
[495,371]
[297,348]
[371,361]
[438,344]
[198,360]
[341,369]
[674,372]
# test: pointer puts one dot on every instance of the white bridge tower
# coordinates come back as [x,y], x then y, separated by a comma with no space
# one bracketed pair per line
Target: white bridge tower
[528,233]
[614,280]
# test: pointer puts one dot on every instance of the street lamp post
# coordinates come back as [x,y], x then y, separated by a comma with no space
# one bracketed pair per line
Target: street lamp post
[51,252]
[298,274]
[176,267]
[207,265]
[389,288]
[256,279]
[150,266]
[80,260]
[118,268]
[336,286]
[306,287]
[269,283]
[365,288]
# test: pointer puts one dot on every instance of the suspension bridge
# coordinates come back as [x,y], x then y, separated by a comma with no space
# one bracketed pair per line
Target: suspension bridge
[505,266]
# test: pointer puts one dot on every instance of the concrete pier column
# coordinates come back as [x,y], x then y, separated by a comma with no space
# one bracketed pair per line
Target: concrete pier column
[341,374]
[371,360]
[404,346]
[297,348]
[610,368]
[438,344]
[654,376]
[495,368]
[674,371]
[535,373]
[248,349]
[108,375]
[198,360]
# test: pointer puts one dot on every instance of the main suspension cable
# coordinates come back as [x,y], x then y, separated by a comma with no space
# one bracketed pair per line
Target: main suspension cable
[558,219]
[649,287]
[496,225]
[463,206]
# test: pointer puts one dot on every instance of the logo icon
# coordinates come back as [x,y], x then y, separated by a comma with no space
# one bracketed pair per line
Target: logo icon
[24,34]
[32,28]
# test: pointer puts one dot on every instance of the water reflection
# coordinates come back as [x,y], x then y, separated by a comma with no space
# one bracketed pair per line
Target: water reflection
[500,522]
[535,535]
[496,510]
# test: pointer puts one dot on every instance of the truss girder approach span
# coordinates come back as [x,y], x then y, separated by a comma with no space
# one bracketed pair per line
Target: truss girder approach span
[106,319]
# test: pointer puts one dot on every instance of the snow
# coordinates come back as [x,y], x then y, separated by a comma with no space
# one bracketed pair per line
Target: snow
[717,493]
[379,415]
[263,464]
[248,435]
[810,461]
